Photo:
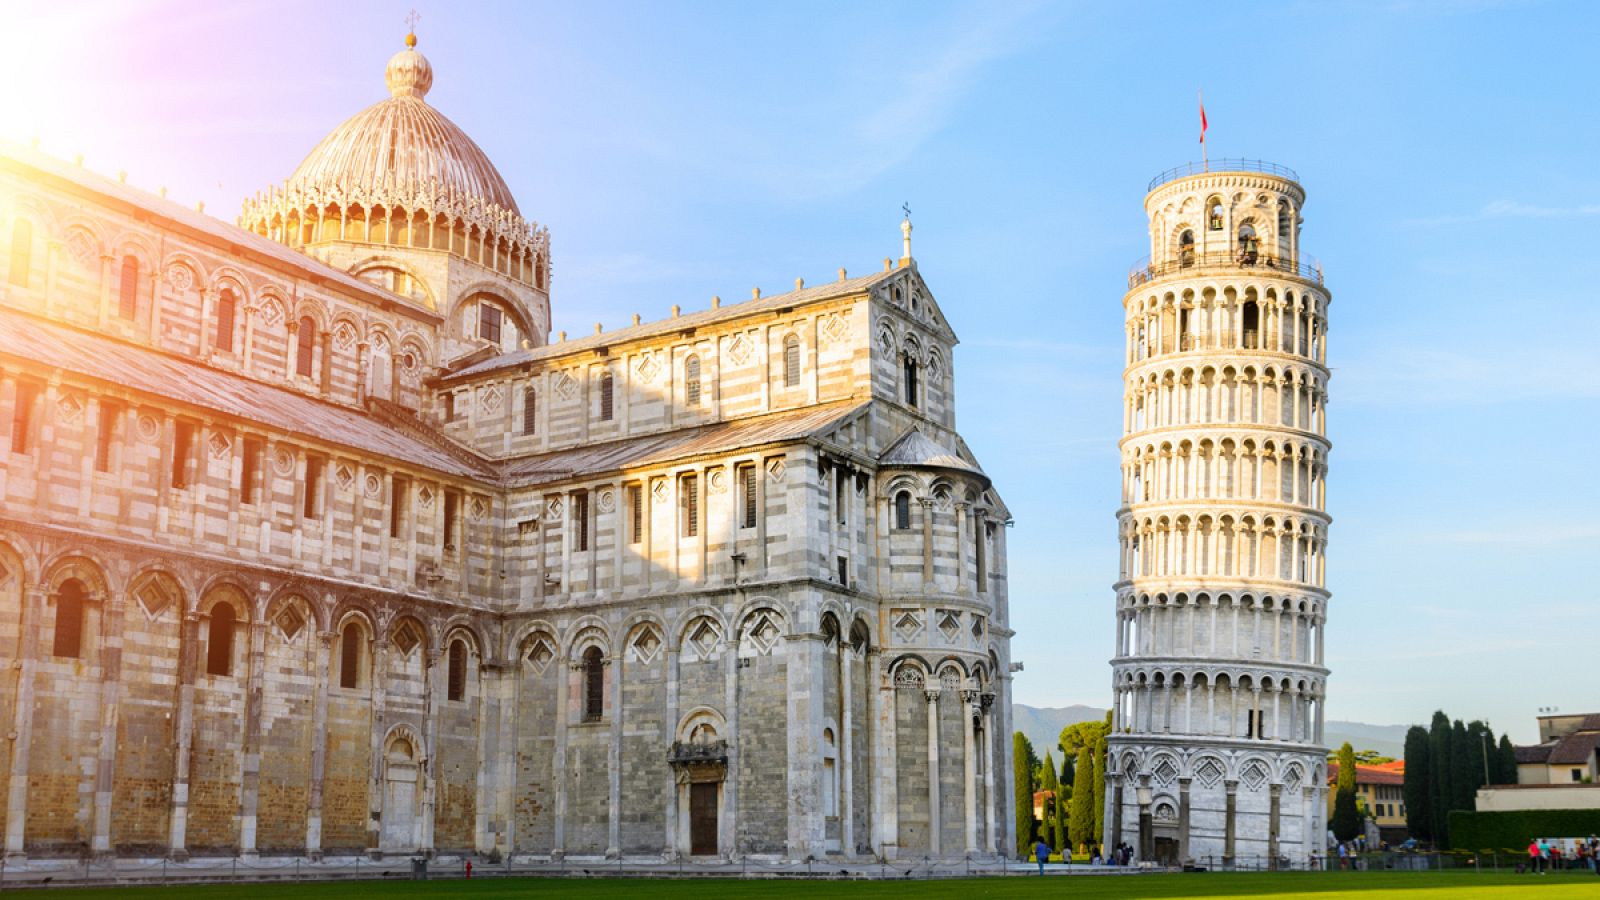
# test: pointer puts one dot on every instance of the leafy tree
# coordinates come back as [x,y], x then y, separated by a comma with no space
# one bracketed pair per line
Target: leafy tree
[1372,758]
[1052,788]
[1080,824]
[1022,763]
[1418,788]
[1346,821]
[1506,761]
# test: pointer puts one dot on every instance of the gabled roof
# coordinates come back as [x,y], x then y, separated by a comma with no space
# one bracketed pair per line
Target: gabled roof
[654,449]
[1575,749]
[915,450]
[1534,753]
[1369,774]
[150,372]
[233,239]
[668,326]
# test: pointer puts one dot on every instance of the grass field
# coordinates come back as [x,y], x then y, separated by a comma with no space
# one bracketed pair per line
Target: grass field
[1258,886]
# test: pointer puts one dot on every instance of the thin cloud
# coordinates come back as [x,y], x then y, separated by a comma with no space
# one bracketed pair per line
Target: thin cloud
[1512,209]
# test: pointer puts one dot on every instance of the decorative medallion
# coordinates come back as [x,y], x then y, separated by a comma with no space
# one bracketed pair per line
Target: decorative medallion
[6,575]
[553,508]
[290,621]
[949,625]
[541,654]
[739,350]
[374,487]
[716,481]
[775,468]
[1292,778]
[154,597]
[907,626]
[647,368]
[344,337]
[1166,771]
[977,630]
[380,344]
[658,490]
[886,339]
[271,313]
[645,645]
[479,508]
[344,476]
[703,639]
[608,501]
[219,445]
[491,397]
[283,461]
[935,366]
[425,497]
[69,407]
[1209,772]
[81,248]
[406,638]
[147,428]
[762,635]
[179,278]
[1254,775]
[564,386]
[834,327]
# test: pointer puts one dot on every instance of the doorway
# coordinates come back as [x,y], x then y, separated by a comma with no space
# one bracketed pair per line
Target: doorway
[400,797]
[703,819]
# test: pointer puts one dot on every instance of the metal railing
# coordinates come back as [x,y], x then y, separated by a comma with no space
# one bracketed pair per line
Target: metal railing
[1145,271]
[1222,165]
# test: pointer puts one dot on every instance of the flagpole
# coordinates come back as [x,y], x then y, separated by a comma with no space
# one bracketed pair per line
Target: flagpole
[1205,162]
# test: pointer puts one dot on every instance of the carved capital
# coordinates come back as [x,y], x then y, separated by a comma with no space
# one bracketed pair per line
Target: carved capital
[931,695]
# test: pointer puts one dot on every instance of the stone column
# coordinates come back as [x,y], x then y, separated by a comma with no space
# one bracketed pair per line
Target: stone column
[846,747]
[614,755]
[670,725]
[969,779]
[375,758]
[1230,823]
[558,764]
[103,316]
[927,545]
[807,831]
[208,325]
[883,770]
[28,660]
[319,746]
[250,765]
[1275,791]
[432,673]
[1183,819]
[727,821]
[1114,838]
[989,843]
[183,737]
[932,697]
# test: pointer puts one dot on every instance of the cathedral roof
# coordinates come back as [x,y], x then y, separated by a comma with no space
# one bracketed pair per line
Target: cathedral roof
[917,450]
[401,147]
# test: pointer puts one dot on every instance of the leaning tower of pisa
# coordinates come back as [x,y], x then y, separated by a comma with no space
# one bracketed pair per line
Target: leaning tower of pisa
[1216,749]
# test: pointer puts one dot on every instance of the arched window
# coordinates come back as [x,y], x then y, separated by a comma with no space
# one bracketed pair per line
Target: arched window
[457,687]
[1214,214]
[830,775]
[69,619]
[21,254]
[902,510]
[1186,248]
[1249,244]
[128,291]
[791,361]
[594,685]
[910,362]
[350,656]
[219,645]
[305,341]
[530,411]
[1285,227]
[607,392]
[226,307]
[1250,321]
[691,381]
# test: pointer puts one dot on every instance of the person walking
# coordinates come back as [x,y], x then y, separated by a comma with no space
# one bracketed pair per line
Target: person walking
[1533,855]
[1041,852]
[1544,856]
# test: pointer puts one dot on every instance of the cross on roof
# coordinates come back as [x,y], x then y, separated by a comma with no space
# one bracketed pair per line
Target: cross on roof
[412,18]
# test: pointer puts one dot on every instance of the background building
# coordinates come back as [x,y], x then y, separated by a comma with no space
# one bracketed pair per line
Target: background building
[1380,788]
[1218,675]
[312,543]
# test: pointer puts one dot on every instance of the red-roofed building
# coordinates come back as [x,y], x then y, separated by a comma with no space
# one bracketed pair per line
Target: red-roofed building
[1380,788]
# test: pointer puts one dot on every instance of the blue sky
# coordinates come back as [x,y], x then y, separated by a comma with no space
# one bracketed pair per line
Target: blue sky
[676,151]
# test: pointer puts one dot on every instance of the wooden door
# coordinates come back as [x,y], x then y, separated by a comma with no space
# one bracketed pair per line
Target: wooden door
[703,819]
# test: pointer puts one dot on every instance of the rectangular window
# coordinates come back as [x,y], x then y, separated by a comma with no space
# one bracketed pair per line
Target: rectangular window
[128,291]
[399,492]
[689,492]
[452,520]
[530,411]
[109,414]
[250,470]
[636,511]
[182,449]
[313,485]
[580,521]
[489,318]
[841,495]
[22,417]
[747,496]
[226,307]
[449,399]
[844,571]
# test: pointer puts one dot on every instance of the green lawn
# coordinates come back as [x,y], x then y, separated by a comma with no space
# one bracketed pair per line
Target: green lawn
[1259,886]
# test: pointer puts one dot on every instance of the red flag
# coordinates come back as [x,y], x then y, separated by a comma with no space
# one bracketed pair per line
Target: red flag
[1202,119]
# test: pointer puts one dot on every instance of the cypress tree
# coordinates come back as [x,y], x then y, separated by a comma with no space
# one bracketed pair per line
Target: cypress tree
[1063,806]
[1099,751]
[1418,788]
[1052,786]
[1080,825]
[1463,783]
[1346,821]
[1507,761]
[1022,790]
[1439,771]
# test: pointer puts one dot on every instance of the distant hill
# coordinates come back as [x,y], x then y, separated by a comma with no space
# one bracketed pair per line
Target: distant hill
[1043,726]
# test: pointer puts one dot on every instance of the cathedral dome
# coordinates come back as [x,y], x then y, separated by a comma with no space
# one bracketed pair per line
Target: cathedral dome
[400,147]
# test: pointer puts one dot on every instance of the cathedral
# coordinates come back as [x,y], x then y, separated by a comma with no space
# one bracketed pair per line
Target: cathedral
[313,542]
